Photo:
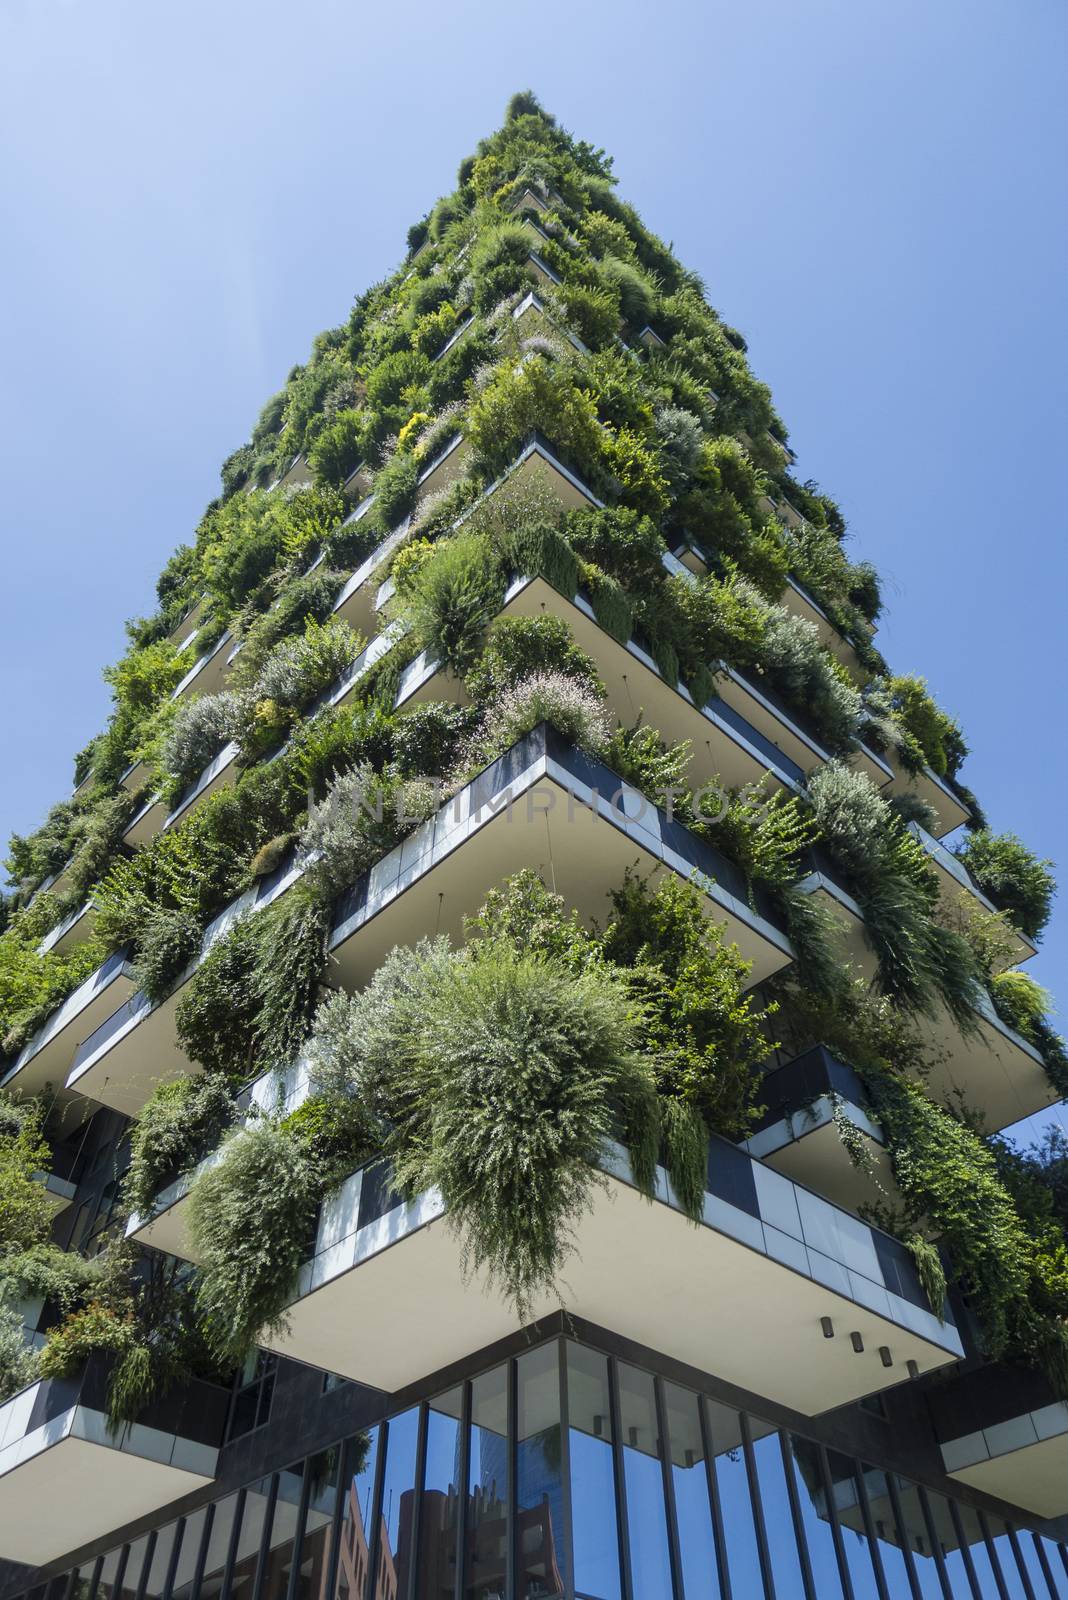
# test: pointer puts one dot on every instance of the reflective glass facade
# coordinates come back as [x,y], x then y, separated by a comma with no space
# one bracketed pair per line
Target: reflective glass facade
[567,1472]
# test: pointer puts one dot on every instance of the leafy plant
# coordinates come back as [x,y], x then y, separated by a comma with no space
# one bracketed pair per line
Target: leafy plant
[1012,876]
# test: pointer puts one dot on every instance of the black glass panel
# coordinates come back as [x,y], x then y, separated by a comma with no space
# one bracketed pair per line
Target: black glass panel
[743,1562]
[439,1517]
[778,1521]
[398,1494]
[815,1510]
[845,1488]
[487,1523]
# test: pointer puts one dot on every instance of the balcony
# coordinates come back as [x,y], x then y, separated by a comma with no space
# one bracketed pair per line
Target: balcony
[995,1070]
[532,318]
[821,880]
[45,1058]
[727,743]
[69,933]
[651,339]
[298,475]
[65,1480]
[1003,1431]
[928,786]
[208,674]
[687,555]
[540,270]
[954,878]
[165,1226]
[642,1270]
[59,1192]
[800,603]
[447,468]
[798,1136]
[547,806]
[450,344]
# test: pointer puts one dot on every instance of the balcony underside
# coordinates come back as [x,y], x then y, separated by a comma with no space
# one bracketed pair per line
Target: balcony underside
[1034,1476]
[46,1058]
[639,1269]
[993,1069]
[538,815]
[948,810]
[68,1482]
[1003,1430]
[806,1146]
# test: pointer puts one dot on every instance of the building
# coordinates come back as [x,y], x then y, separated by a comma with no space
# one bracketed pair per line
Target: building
[650,1253]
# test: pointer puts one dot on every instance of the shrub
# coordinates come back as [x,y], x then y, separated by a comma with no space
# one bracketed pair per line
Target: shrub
[167,942]
[337,450]
[937,735]
[573,708]
[636,293]
[250,1218]
[520,400]
[179,1124]
[364,815]
[200,729]
[518,648]
[1012,876]
[451,599]
[18,1360]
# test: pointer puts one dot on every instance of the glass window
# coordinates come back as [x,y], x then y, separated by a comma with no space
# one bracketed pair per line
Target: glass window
[1028,1552]
[361,1456]
[278,1556]
[1057,1565]
[950,1542]
[222,1529]
[918,1533]
[732,1482]
[778,1518]
[595,1530]
[541,1558]
[846,1489]
[251,1404]
[487,1522]
[815,1510]
[135,1564]
[643,1475]
[439,1513]
[188,1554]
[398,1495]
[1004,1547]
[81,1581]
[155,1579]
[250,1536]
[971,1538]
[686,1452]
[311,1547]
[885,1531]
[112,1574]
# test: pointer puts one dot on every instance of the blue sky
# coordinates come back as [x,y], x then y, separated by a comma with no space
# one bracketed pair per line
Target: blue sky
[874,194]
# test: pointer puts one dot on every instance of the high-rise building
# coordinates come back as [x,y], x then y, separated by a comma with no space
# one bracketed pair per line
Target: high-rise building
[506,1045]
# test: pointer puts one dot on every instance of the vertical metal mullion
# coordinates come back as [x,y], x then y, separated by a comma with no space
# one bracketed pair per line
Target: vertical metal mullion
[94,1581]
[202,1553]
[263,1555]
[1047,1570]
[172,1560]
[763,1552]
[966,1555]
[511,1456]
[415,1530]
[298,1533]
[903,1537]
[1025,1576]
[719,1535]
[844,1573]
[146,1565]
[374,1539]
[869,1529]
[620,1478]
[664,1446]
[995,1563]
[800,1538]
[934,1541]
[120,1573]
[337,1518]
[565,1473]
[463,1489]
[232,1543]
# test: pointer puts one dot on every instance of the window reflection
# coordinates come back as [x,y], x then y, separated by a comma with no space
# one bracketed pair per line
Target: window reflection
[778,1519]
[595,1531]
[395,1528]
[686,1452]
[135,1564]
[919,1530]
[1005,1547]
[806,1463]
[735,1505]
[361,1456]
[155,1578]
[487,1523]
[111,1577]
[540,1556]
[848,1500]
[278,1558]
[439,1514]
[1056,1565]
[188,1554]
[1027,1549]
[885,1530]
[311,1550]
[250,1536]
[643,1476]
